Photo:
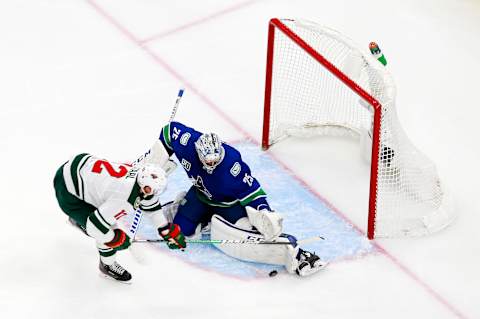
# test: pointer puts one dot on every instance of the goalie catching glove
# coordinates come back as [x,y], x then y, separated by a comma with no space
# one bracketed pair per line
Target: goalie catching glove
[173,236]
[120,240]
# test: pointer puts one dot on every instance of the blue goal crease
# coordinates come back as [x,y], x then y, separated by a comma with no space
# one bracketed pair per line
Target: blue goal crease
[305,216]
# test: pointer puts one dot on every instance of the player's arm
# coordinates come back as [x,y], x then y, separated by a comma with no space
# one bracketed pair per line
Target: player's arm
[101,225]
[176,135]
[246,187]
[151,203]
[153,209]
[166,137]
[171,136]
[170,232]
[157,155]
[162,149]
[253,194]
[254,198]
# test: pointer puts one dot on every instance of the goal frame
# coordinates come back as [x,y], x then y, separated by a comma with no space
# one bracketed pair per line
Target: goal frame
[275,25]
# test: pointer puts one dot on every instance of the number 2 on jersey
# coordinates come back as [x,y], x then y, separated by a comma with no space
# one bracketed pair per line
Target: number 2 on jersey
[100,164]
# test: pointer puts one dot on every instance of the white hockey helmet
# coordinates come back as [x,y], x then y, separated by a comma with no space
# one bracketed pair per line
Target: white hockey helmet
[210,151]
[152,179]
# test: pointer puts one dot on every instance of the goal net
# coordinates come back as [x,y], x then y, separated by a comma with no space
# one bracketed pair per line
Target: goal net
[319,82]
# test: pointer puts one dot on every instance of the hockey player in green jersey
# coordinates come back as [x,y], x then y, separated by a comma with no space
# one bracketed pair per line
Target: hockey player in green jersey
[95,193]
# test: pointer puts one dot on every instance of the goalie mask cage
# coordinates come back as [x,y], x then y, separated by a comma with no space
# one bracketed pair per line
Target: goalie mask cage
[319,82]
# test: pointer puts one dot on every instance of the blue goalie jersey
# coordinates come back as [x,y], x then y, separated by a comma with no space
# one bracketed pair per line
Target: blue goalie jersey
[229,184]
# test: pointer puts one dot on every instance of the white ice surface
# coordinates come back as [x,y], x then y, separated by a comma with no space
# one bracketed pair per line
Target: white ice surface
[78,76]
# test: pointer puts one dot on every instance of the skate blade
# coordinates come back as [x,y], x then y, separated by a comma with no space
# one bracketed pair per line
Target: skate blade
[113,279]
[319,265]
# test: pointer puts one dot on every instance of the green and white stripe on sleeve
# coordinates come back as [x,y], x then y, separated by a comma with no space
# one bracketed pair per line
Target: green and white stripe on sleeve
[258,193]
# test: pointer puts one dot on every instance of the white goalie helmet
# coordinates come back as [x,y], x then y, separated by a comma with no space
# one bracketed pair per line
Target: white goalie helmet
[210,151]
[152,179]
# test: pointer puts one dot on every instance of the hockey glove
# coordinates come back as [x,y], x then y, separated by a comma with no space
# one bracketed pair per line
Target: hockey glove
[267,222]
[120,240]
[173,236]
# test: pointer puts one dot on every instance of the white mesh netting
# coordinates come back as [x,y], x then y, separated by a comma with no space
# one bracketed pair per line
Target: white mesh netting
[307,99]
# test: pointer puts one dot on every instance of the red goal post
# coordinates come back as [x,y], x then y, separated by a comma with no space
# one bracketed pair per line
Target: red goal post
[319,82]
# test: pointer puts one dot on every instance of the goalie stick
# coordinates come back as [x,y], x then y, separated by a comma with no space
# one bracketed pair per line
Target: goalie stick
[177,102]
[171,165]
[233,241]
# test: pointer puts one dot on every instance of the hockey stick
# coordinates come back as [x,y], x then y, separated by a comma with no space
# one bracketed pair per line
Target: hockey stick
[177,102]
[233,241]
[141,159]
[135,251]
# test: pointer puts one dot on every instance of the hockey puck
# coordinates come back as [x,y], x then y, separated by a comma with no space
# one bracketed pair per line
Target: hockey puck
[273,273]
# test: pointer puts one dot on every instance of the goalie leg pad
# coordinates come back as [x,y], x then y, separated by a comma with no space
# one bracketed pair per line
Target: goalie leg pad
[269,254]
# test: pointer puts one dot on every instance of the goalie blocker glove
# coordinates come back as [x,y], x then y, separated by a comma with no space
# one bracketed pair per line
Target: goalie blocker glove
[173,236]
[267,222]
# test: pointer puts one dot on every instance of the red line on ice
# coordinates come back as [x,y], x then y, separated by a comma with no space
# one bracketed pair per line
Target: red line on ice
[166,66]
[199,21]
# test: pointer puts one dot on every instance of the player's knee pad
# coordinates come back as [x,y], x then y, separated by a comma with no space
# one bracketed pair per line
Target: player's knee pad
[269,254]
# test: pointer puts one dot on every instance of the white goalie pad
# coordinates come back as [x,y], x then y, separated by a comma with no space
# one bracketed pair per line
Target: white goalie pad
[157,155]
[268,223]
[268,254]
[169,167]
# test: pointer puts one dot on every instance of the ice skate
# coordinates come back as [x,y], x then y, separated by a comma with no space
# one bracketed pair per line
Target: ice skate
[115,271]
[308,263]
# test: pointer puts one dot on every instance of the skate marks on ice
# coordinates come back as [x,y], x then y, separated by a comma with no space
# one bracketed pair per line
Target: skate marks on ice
[305,215]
